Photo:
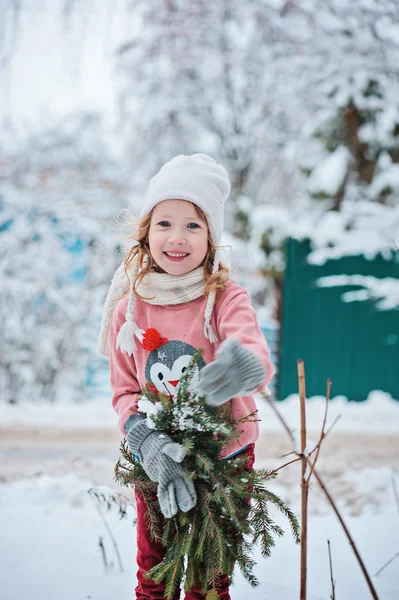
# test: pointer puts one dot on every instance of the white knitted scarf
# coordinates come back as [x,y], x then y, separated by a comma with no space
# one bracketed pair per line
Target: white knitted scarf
[155,288]
[163,289]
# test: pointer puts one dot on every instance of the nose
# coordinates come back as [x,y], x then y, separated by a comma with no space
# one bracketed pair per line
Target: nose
[176,240]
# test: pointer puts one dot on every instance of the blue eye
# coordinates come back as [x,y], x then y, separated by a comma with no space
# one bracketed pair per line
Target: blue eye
[164,223]
[193,225]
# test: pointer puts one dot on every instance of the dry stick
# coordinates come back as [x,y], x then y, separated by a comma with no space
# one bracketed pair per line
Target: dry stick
[386,564]
[286,464]
[304,481]
[115,545]
[395,492]
[103,554]
[331,573]
[333,424]
[322,434]
[323,437]
[396,496]
[267,396]
[298,458]
[348,535]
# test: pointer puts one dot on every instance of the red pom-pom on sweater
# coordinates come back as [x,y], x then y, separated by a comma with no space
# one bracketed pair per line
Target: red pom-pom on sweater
[152,339]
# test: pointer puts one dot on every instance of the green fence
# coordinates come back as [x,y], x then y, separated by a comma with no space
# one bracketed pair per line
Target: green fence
[354,344]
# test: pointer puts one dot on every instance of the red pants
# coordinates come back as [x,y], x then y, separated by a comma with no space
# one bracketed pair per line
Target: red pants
[150,553]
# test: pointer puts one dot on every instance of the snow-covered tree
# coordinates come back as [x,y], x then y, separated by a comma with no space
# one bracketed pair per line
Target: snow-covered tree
[347,150]
[297,98]
[56,259]
[205,77]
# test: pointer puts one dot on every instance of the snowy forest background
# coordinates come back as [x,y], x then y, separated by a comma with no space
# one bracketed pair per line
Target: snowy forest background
[298,99]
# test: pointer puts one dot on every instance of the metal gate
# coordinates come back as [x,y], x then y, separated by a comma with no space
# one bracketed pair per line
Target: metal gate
[353,343]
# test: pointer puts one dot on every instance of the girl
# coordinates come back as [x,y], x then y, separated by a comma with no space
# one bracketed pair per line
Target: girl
[180,299]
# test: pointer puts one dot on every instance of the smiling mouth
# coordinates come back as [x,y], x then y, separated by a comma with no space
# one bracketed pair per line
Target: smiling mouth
[176,255]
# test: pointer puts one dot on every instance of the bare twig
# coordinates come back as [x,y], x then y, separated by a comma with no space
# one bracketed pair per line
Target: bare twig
[333,424]
[117,499]
[298,455]
[395,492]
[348,535]
[269,399]
[103,553]
[331,573]
[304,482]
[322,434]
[288,463]
[115,545]
[288,454]
[386,564]
[396,496]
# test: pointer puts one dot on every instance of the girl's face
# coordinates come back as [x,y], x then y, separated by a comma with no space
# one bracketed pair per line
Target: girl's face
[178,237]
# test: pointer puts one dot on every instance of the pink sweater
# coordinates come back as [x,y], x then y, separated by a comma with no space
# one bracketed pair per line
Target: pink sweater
[183,325]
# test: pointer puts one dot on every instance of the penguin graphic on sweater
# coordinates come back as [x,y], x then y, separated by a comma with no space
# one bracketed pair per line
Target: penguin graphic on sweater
[167,362]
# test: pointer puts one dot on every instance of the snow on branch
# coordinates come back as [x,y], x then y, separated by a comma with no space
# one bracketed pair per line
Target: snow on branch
[328,177]
[361,228]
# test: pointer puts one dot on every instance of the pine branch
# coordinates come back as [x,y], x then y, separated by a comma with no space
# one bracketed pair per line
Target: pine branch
[208,541]
[174,576]
[204,462]
[191,570]
[193,535]
[260,523]
[283,508]
[152,517]
[246,565]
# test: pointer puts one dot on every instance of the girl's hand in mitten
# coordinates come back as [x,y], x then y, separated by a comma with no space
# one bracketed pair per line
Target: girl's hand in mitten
[160,458]
[236,371]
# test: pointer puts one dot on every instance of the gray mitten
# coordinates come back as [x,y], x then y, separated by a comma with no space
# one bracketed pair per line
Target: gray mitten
[160,458]
[236,371]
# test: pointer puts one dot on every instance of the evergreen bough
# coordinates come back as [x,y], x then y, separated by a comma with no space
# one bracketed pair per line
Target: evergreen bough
[232,511]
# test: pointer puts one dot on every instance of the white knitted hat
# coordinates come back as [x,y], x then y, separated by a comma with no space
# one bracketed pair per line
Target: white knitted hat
[200,180]
[197,178]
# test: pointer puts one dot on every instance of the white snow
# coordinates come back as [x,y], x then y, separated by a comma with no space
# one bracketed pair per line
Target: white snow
[360,228]
[329,175]
[151,409]
[384,291]
[51,526]
[386,180]
[63,415]
[379,413]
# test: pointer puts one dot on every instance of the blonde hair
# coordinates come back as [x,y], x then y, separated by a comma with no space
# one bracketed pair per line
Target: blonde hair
[140,254]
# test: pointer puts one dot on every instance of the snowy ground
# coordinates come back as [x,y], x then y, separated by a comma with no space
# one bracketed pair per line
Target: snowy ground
[51,527]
